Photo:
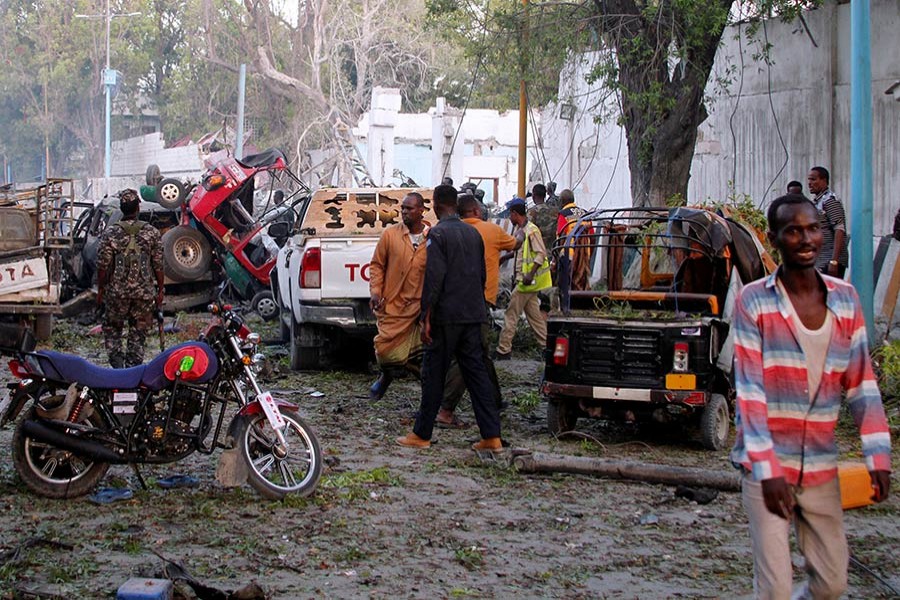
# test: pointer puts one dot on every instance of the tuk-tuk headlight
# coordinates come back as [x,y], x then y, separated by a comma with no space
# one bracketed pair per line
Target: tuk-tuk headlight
[214,182]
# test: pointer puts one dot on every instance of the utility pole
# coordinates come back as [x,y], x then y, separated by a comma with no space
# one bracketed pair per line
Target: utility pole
[523,114]
[109,82]
[861,157]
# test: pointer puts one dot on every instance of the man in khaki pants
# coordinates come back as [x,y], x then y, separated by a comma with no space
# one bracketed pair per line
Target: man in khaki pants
[800,345]
[532,270]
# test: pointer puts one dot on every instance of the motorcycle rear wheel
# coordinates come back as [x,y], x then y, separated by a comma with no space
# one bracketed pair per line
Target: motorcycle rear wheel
[51,472]
[275,477]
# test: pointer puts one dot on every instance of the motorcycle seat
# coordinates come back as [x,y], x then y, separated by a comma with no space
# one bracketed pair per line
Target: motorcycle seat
[65,367]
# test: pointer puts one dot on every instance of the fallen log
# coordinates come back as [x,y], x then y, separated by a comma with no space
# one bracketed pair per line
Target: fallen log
[539,462]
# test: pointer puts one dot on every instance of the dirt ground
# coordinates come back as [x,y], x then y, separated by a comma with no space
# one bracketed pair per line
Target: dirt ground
[388,522]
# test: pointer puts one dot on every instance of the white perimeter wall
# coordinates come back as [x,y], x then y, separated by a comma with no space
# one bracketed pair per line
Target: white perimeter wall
[809,91]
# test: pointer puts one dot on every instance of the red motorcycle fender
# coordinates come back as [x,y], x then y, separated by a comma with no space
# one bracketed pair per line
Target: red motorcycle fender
[255,408]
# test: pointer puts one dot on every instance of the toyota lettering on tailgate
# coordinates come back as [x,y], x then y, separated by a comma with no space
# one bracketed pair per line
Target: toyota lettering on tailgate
[358,271]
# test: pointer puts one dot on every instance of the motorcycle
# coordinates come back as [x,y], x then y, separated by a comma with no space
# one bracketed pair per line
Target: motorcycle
[81,418]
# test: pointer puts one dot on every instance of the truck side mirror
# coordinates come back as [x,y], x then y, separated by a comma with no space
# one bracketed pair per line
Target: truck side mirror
[279,231]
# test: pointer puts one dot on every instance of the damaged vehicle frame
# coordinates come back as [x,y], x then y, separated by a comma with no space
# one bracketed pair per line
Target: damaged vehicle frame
[650,341]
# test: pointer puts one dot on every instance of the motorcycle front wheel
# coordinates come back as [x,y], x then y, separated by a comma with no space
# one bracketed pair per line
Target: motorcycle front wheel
[275,474]
[50,471]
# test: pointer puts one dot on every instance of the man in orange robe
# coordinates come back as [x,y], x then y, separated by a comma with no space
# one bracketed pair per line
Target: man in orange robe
[396,275]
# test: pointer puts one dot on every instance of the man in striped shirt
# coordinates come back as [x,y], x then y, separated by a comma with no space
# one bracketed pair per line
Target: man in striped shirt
[833,255]
[800,342]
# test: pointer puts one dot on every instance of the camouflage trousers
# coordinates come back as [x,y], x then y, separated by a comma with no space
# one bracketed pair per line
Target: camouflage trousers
[127,350]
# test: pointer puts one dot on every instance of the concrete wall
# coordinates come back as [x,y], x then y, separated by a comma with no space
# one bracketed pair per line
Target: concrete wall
[133,155]
[804,95]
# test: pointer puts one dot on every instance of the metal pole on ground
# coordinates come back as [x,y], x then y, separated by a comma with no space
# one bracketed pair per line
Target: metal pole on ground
[861,157]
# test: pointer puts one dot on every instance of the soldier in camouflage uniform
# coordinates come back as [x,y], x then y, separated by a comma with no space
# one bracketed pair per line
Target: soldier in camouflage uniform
[129,282]
[544,214]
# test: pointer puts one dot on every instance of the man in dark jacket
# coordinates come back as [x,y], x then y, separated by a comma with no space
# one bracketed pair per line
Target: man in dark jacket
[453,311]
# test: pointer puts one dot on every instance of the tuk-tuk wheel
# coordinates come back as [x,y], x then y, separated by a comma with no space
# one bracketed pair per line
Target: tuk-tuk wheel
[561,416]
[715,423]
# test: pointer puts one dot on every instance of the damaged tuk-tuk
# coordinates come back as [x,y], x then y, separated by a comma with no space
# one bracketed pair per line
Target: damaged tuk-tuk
[645,337]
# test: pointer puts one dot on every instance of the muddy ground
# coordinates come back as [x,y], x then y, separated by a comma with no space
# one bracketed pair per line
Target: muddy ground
[388,522]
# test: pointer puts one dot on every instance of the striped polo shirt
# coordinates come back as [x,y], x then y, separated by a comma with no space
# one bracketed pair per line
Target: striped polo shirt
[831,219]
[781,432]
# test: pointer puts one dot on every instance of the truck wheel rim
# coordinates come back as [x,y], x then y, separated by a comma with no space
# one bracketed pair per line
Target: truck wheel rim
[266,306]
[169,192]
[187,251]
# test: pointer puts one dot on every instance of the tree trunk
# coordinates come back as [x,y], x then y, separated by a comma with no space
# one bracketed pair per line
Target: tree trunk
[617,469]
[662,102]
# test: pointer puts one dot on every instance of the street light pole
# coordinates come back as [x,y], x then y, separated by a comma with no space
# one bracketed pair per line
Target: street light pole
[107,76]
[109,82]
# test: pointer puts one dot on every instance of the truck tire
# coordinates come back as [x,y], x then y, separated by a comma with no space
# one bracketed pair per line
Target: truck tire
[561,416]
[715,423]
[186,254]
[303,358]
[170,193]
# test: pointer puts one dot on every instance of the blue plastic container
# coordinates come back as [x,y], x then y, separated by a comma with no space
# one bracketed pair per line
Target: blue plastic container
[141,588]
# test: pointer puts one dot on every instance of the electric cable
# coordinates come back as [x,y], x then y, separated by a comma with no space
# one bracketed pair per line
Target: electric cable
[774,116]
[737,102]
[615,163]
[859,564]
[468,96]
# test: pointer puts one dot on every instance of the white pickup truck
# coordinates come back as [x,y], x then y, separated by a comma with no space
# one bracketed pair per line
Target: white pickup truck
[321,278]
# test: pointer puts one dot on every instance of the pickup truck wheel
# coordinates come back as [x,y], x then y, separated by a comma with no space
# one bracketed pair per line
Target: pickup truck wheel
[561,417]
[186,254]
[303,358]
[170,193]
[715,423]
[263,304]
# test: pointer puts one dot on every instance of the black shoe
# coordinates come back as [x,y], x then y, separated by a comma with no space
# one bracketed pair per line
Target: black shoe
[500,356]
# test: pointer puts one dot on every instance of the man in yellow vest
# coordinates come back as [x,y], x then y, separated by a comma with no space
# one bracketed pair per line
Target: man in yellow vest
[532,269]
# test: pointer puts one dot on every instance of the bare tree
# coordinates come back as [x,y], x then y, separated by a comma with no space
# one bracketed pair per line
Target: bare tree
[325,64]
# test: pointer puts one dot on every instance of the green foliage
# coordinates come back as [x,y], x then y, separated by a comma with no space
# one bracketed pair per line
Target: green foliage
[656,57]
[527,401]
[358,485]
[471,557]
[886,361]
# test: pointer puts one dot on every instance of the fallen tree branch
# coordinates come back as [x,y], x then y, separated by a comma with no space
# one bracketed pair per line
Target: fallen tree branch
[540,462]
